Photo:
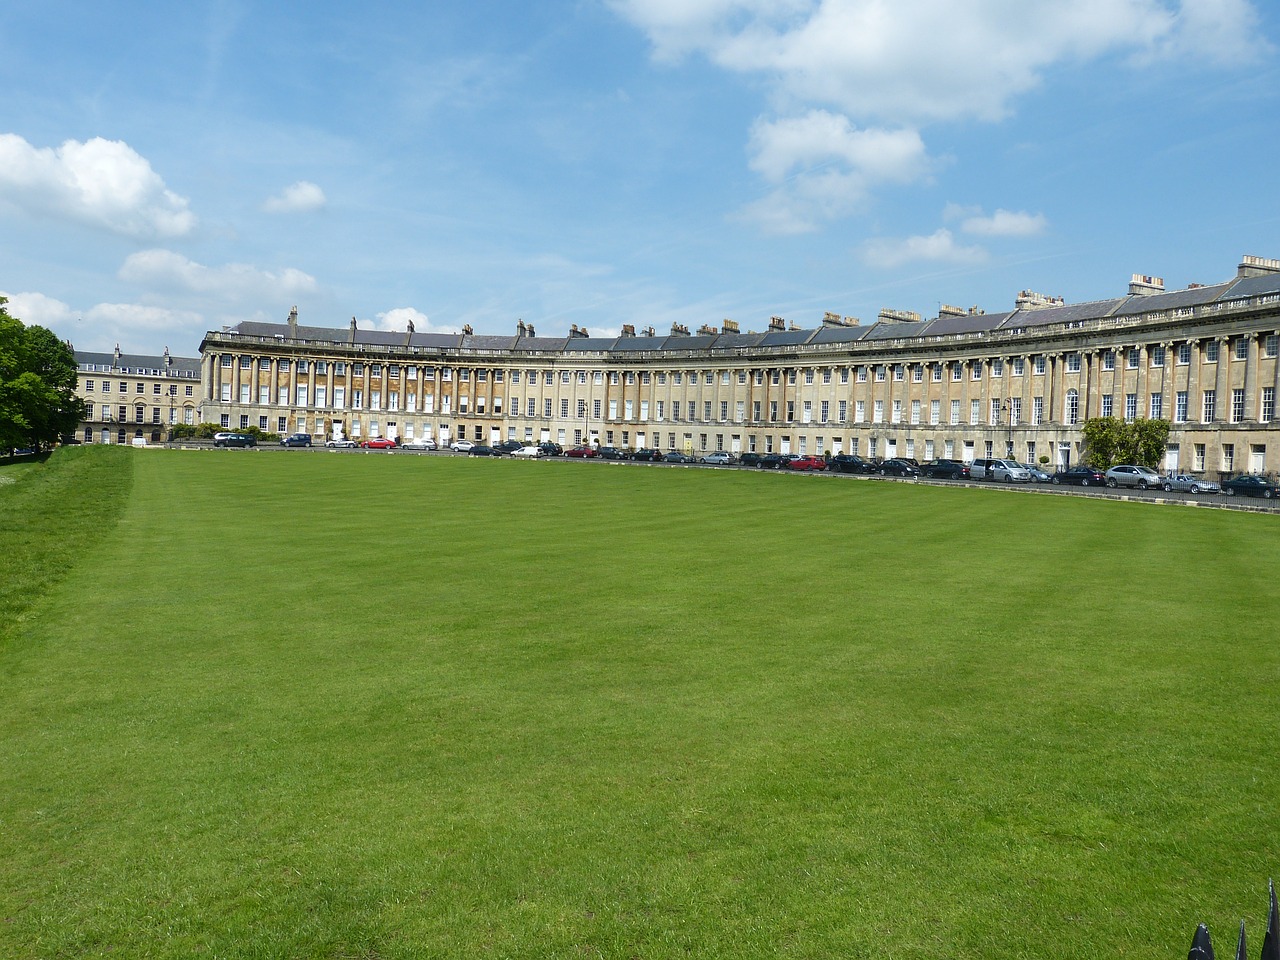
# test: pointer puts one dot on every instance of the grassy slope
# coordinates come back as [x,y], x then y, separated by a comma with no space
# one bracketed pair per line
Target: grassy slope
[394,706]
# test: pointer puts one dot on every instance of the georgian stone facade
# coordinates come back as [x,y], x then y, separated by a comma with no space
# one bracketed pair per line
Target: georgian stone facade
[130,397]
[965,384]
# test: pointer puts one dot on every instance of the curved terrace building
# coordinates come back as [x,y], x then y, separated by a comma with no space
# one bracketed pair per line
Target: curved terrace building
[963,384]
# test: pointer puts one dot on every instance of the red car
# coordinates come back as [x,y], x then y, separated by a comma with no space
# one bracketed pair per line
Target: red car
[582,452]
[379,443]
[807,463]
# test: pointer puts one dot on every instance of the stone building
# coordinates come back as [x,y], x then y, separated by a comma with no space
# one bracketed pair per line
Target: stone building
[130,397]
[963,384]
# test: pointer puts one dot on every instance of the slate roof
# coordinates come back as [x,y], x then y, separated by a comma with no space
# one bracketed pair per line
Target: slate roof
[136,362]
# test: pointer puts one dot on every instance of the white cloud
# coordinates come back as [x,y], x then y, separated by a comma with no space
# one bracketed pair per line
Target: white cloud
[102,183]
[939,246]
[1005,223]
[400,317]
[136,327]
[36,308]
[164,270]
[824,167]
[912,61]
[301,197]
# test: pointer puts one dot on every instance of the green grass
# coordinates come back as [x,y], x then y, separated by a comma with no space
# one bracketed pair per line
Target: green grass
[314,705]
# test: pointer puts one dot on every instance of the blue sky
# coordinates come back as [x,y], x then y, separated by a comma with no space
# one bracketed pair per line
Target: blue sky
[164,172]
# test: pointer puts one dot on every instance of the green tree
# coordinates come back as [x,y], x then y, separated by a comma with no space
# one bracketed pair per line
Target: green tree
[38,402]
[1110,440]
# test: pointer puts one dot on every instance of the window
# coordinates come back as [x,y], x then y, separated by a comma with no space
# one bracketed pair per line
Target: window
[246,363]
[862,374]
[937,373]
[995,411]
[188,392]
[898,372]
[1015,411]
[808,375]
[1267,407]
[755,410]
[1131,406]
[264,395]
[1270,344]
[1018,366]
[1207,411]
[880,372]
[975,412]
[859,411]
[1198,452]
[1157,356]
[1107,408]
[532,408]
[826,375]
[824,412]
[546,408]
[596,407]
[896,416]
[955,412]
[975,370]
[1180,407]
[791,411]
[1108,359]
[564,407]
[724,409]
[1184,354]
[1211,351]
[1037,363]
[1073,406]
[997,367]
[226,362]
[244,393]
[142,388]
[878,412]
[842,408]
[915,411]
[1073,363]
[88,386]
[935,411]
[155,389]
[1242,348]
[1131,358]
[1157,406]
[1237,405]
[1228,457]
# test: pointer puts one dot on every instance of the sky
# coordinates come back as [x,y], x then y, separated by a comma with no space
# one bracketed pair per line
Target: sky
[170,169]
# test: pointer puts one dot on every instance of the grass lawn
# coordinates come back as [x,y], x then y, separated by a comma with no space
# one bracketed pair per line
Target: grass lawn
[277,704]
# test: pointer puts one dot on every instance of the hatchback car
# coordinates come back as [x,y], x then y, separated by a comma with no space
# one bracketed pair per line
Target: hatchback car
[1128,475]
[296,440]
[895,467]
[583,453]
[483,450]
[647,453]
[1249,485]
[613,453]
[807,463]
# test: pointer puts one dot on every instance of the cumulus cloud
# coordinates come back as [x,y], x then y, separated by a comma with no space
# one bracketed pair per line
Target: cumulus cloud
[36,308]
[912,61]
[824,167]
[1002,223]
[136,327]
[399,318]
[102,183]
[167,271]
[938,247]
[301,197]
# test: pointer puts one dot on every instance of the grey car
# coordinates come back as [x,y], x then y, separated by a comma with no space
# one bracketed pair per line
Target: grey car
[1185,483]
[1127,475]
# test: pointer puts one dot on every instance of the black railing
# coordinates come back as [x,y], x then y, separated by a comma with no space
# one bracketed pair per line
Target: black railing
[1202,946]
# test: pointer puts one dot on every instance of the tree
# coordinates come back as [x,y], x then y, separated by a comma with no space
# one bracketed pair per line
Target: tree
[1109,440]
[38,402]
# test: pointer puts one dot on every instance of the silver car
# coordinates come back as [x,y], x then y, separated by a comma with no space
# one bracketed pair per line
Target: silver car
[1127,475]
[1185,483]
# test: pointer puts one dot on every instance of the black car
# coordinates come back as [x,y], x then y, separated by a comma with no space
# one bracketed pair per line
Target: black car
[945,470]
[897,467]
[613,453]
[774,461]
[1081,475]
[647,454]
[1248,485]
[234,440]
[506,447]
[483,450]
[550,449]
[849,463]
[750,459]
[296,440]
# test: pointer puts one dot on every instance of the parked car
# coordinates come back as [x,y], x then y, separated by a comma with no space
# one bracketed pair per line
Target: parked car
[750,459]
[613,453]
[1037,474]
[1185,483]
[896,467]
[717,459]
[1128,475]
[379,443]
[945,470]
[461,446]
[1081,475]
[647,454]
[340,443]
[506,447]
[773,461]
[1249,485]
[234,440]
[1004,471]
[550,449]
[675,456]
[849,463]
[419,443]
[584,453]
[482,450]
[807,463]
[532,452]
[296,440]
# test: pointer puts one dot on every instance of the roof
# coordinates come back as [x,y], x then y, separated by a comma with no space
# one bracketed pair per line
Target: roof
[138,363]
